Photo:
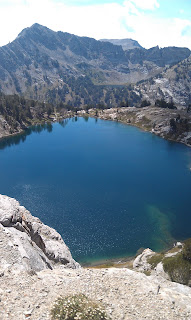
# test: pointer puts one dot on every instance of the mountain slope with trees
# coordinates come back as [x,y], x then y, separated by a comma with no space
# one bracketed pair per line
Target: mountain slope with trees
[18,113]
[59,67]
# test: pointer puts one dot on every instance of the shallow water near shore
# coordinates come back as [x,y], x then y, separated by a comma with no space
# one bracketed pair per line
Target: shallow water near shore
[108,188]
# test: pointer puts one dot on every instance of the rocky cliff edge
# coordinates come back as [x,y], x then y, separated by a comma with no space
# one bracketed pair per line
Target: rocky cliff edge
[26,243]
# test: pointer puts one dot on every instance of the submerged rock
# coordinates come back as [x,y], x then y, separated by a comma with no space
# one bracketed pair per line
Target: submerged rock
[26,243]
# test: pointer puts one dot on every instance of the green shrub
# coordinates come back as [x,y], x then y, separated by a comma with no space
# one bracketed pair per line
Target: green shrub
[154,260]
[77,307]
[187,250]
[178,269]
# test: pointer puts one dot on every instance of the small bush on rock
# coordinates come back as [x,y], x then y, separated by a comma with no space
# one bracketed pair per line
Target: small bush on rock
[77,307]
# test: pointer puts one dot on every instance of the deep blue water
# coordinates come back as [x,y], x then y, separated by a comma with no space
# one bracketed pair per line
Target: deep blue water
[108,188]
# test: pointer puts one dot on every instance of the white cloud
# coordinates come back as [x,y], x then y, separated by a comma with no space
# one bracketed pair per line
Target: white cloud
[146,4]
[112,20]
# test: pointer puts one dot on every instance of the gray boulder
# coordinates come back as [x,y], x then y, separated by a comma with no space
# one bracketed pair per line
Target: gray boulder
[140,263]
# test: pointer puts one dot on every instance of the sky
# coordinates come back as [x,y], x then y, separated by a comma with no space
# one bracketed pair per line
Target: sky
[150,22]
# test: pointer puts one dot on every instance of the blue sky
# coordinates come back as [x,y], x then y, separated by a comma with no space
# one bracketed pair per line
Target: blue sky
[150,22]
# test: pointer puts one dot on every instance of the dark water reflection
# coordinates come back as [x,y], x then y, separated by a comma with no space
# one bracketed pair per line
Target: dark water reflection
[17,139]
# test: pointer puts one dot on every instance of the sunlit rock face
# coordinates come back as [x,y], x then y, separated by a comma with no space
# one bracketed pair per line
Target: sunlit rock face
[26,243]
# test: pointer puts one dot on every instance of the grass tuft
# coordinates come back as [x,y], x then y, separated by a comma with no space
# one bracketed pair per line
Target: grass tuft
[154,260]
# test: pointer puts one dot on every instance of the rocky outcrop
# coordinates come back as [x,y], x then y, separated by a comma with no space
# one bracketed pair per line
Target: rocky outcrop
[140,263]
[26,243]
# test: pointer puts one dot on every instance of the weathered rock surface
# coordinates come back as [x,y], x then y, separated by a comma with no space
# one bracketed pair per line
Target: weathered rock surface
[140,263]
[26,243]
[126,294]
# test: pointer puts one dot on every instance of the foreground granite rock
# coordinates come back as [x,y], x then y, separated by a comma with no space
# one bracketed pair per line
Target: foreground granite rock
[126,294]
[26,243]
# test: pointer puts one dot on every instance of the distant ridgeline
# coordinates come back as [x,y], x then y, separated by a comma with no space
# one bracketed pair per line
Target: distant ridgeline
[61,68]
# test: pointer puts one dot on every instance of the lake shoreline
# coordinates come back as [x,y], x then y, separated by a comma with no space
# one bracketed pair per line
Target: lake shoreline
[126,261]
[108,263]
[149,119]
[114,114]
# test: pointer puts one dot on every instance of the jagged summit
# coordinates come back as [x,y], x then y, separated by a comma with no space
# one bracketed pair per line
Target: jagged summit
[34,27]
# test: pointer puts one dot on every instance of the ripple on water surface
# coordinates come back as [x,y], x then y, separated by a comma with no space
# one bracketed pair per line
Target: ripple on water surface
[108,188]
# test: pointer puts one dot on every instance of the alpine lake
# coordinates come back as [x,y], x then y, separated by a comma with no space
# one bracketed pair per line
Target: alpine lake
[108,188]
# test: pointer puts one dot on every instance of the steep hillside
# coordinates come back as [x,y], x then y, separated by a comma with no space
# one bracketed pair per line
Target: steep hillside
[173,83]
[60,67]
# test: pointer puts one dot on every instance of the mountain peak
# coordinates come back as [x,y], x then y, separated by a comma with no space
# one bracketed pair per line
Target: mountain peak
[37,25]
[35,28]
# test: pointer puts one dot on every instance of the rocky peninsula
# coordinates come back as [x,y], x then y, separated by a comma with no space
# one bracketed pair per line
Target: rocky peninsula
[36,267]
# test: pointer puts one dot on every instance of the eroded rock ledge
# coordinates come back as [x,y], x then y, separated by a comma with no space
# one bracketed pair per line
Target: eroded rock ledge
[26,243]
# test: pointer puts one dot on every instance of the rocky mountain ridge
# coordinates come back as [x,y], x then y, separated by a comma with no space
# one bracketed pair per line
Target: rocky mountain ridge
[126,44]
[60,67]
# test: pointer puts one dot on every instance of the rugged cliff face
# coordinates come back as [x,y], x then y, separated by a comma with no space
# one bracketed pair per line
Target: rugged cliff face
[26,243]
